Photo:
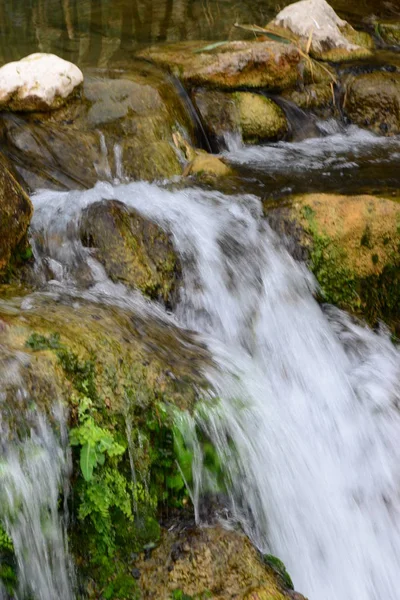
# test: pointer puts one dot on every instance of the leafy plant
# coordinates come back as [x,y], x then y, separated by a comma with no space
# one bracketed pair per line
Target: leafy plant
[105,488]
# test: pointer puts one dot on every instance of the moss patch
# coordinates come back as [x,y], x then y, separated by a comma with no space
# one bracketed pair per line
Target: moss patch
[354,251]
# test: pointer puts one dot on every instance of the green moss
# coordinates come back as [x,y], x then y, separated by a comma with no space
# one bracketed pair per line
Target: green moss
[338,285]
[374,297]
[279,568]
[125,468]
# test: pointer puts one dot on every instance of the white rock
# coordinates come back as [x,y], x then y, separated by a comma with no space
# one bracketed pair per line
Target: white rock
[37,82]
[316,17]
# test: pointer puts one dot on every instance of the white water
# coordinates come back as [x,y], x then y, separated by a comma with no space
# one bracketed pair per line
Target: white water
[309,398]
[34,468]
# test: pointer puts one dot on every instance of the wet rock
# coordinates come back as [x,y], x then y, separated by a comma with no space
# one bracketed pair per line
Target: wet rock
[234,65]
[38,82]
[15,214]
[352,244]
[331,38]
[388,31]
[121,128]
[373,100]
[132,249]
[222,564]
[253,116]
[318,97]
[208,166]
[260,118]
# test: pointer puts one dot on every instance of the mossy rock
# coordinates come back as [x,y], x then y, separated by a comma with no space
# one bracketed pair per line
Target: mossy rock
[208,563]
[352,244]
[319,97]
[372,100]
[121,127]
[15,215]
[388,31]
[132,249]
[208,166]
[260,118]
[253,116]
[231,65]
[129,375]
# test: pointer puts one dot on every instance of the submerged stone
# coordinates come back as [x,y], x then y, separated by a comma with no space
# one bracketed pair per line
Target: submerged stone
[132,249]
[315,22]
[15,214]
[231,65]
[373,100]
[38,82]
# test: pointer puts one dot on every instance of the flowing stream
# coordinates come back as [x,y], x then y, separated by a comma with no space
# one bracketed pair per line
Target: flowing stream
[308,399]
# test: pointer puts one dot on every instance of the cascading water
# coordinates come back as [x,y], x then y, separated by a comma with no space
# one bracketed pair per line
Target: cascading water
[34,467]
[308,398]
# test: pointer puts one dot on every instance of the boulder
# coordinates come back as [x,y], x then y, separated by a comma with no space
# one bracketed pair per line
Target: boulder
[231,65]
[330,37]
[352,245]
[15,214]
[209,562]
[133,250]
[254,116]
[38,82]
[121,128]
[373,100]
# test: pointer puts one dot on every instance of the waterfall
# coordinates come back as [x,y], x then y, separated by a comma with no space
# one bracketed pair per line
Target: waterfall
[34,468]
[307,397]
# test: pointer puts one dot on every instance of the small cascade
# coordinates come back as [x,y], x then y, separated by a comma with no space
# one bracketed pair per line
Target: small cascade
[35,467]
[306,421]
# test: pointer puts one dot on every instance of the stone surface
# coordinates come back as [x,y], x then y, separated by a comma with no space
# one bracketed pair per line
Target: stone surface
[133,250]
[208,165]
[388,31]
[254,116]
[373,100]
[38,82]
[122,128]
[234,65]
[332,38]
[319,97]
[222,564]
[352,244]
[260,118]
[15,214]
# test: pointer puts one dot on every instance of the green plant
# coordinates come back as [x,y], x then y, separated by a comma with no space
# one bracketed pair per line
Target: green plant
[104,488]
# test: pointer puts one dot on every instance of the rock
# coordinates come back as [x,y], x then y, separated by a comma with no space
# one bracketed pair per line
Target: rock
[318,97]
[208,165]
[122,128]
[233,65]
[332,38]
[260,118]
[352,244]
[222,564]
[132,249]
[388,31]
[373,100]
[38,82]
[15,214]
[253,116]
